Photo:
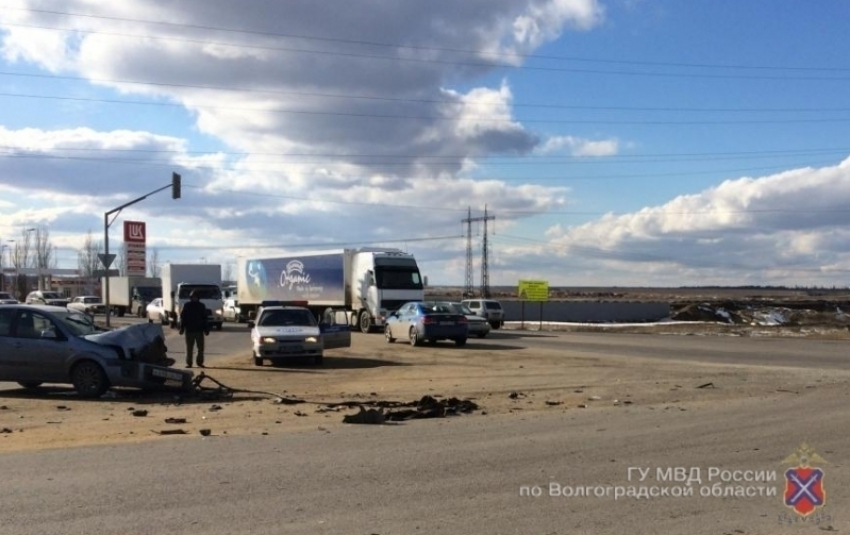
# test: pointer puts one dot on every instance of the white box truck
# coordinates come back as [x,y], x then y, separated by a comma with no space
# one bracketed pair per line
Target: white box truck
[365,284]
[180,280]
[131,295]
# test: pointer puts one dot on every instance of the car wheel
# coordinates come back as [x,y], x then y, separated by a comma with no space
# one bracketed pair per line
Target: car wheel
[432,342]
[150,319]
[258,361]
[365,322]
[460,342]
[482,335]
[89,379]
[218,326]
[414,337]
[496,324]
[389,335]
[29,385]
[318,359]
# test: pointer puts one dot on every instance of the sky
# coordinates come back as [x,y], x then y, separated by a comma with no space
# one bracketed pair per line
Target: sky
[614,142]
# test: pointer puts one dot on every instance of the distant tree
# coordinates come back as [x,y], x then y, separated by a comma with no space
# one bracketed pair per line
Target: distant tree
[121,264]
[88,261]
[227,273]
[43,256]
[153,264]
[20,258]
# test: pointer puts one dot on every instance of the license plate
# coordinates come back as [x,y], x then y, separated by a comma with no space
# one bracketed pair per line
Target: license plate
[447,323]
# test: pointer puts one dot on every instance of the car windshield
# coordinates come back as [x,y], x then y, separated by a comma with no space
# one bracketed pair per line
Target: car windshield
[78,324]
[149,292]
[492,305]
[52,295]
[282,318]
[91,300]
[460,309]
[204,292]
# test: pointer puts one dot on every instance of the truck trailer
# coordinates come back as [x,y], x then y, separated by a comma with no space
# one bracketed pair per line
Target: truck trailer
[178,283]
[365,284]
[132,295]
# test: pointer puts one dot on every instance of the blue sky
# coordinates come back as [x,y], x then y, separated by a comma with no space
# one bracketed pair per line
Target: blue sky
[629,142]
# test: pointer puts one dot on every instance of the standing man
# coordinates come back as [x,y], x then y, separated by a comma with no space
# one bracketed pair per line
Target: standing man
[193,323]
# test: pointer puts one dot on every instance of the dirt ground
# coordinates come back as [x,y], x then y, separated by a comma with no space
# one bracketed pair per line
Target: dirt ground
[505,380]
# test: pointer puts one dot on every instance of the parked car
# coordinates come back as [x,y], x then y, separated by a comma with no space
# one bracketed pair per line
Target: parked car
[421,321]
[156,312]
[285,332]
[40,297]
[477,326]
[47,344]
[489,309]
[7,299]
[87,304]
[232,312]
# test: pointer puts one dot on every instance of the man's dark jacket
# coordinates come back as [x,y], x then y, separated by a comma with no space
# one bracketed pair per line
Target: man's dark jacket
[193,317]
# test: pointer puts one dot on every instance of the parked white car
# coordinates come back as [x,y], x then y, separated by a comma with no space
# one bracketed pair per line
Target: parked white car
[232,312]
[156,312]
[7,299]
[87,304]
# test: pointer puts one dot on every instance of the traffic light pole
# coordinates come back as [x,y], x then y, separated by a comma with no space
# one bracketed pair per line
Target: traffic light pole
[175,194]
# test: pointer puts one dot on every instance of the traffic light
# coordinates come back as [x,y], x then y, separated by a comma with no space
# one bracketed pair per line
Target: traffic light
[175,186]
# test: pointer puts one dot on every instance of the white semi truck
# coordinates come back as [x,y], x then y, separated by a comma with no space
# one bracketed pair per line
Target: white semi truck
[366,284]
[178,283]
[132,295]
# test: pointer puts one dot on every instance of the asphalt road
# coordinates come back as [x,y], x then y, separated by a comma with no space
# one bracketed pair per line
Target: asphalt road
[756,351]
[457,476]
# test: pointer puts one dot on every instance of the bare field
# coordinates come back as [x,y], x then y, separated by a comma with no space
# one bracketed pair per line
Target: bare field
[506,380]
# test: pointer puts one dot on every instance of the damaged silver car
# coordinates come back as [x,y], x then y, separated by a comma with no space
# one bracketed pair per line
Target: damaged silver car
[47,344]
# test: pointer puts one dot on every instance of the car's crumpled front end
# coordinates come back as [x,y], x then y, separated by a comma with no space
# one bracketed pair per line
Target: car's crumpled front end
[144,361]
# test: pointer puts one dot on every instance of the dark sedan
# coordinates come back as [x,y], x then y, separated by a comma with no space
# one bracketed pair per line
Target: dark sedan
[422,321]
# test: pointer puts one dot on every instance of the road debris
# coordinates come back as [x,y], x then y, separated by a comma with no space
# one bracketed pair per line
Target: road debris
[425,407]
[707,385]
[170,432]
[5,430]
[552,403]
[175,420]
[205,432]
[516,395]
[140,413]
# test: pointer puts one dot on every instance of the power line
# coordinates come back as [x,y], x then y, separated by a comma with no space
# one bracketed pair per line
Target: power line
[537,159]
[192,167]
[429,48]
[430,117]
[395,99]
[487,66]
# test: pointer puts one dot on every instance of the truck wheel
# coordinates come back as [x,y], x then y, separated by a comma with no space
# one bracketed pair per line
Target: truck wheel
[89,379]
[365,322]
[258,361]
[460,342]
[496,325]
[120,312]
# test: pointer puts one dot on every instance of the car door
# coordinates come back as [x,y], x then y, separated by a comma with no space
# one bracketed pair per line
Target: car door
[8,349]
[402,328]
[41,348]
[334,335]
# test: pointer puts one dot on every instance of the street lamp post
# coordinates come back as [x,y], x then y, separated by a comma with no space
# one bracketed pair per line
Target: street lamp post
[175,194]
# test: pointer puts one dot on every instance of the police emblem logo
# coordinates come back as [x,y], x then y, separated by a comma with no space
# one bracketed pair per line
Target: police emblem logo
[804,487]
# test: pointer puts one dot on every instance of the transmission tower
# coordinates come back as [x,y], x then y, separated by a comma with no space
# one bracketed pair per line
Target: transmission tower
[485,271]
[467,290]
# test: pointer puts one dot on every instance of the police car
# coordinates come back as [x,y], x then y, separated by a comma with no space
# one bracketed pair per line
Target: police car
[284,331]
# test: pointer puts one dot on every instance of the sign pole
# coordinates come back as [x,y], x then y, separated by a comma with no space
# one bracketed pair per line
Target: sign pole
[106,308]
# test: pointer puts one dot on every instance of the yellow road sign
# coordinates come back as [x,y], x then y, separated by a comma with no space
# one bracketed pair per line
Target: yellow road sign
[533,290]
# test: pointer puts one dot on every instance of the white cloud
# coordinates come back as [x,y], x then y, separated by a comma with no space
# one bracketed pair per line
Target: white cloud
[580,147]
